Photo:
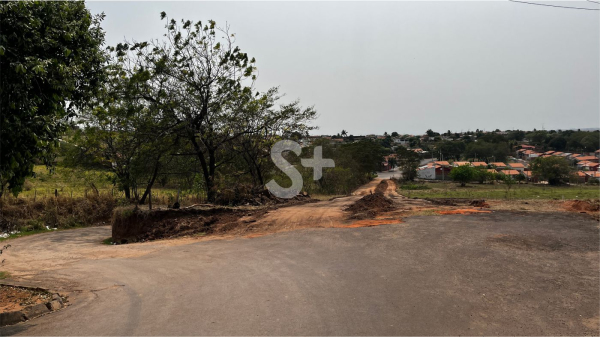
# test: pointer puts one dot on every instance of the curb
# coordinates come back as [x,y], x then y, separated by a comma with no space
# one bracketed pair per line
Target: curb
[36,310]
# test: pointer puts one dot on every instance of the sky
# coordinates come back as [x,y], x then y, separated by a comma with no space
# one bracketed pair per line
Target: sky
[375,67]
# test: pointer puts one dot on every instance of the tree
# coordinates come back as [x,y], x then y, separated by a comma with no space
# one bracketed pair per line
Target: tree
[463,174]
[555,170]
[51,65]
[482,174]
[203,84]
[408,162]
[395,134]
[125,133]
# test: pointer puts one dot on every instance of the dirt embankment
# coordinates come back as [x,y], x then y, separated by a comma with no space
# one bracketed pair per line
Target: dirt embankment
[591,207]
[372,204]
[134,225]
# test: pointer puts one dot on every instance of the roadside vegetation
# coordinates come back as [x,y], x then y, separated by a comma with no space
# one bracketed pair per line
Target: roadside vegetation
[448,189]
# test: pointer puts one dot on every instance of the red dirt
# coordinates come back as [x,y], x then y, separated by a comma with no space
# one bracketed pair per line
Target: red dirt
[591,207]
[582,205]
[15,298]
[370,223]
[371,205]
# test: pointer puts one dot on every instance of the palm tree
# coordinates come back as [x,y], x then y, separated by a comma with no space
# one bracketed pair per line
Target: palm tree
[344,133]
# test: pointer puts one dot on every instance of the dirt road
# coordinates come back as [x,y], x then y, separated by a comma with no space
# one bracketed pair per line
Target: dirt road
[499,273]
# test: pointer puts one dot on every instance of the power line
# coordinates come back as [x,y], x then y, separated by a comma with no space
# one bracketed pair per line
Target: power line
[533,3]
[596,2]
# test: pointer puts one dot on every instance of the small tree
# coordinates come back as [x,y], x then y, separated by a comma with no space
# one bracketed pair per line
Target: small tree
[463,174]
[408,162]
[483,175]
[508,181]
[555,170]
[521,177]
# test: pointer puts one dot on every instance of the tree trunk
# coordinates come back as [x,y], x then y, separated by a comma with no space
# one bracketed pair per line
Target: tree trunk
[127,192]
[151,182]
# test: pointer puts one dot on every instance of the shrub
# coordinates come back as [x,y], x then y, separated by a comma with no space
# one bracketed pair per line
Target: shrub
[463,174]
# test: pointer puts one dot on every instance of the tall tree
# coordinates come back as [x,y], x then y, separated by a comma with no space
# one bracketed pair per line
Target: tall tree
[51,65]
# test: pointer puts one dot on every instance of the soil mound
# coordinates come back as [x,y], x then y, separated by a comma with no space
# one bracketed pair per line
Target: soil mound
[245,195]
[135,225]
[382,187]
[479,203]
[370,205]
[582,205]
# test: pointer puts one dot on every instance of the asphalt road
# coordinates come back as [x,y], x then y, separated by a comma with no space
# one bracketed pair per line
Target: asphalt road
[485,274]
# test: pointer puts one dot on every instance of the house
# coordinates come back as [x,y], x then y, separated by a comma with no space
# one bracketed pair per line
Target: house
[592,159]
[530,177]
[498,165]
[548,152]
[460,163]
[479,164]
[517,166]
[597,154]
[587,166]
[433,171]
[592,175]
[512,173]
[581,176]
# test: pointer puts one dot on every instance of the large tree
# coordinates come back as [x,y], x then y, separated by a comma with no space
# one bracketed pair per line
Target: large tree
[203,84]
[555,170]
[50,66]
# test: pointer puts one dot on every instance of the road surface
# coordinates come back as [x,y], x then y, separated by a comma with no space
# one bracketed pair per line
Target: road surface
[481,274]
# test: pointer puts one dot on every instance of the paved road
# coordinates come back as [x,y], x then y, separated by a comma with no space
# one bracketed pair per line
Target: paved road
[493,274]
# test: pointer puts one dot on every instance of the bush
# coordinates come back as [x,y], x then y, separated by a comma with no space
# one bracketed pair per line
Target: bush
[463,174]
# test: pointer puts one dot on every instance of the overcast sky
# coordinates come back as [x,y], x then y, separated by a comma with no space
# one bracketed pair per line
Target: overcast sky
[407,66]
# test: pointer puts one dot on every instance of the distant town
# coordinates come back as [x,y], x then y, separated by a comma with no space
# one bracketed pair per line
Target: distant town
[508,153]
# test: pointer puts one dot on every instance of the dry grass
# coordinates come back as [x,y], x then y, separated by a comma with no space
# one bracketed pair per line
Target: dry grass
[28,215]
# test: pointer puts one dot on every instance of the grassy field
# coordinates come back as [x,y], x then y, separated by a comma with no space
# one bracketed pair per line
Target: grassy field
[498,191]
[66,181]
[77,183]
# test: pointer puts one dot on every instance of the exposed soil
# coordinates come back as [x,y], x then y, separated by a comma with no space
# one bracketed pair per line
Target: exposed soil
[591,207]
[370,205]
[479,203]
[15,298]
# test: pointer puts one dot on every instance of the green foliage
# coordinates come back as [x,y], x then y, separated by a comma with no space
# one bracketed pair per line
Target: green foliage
[482,175]
[491,151]
[51,66]
[555,170]
[408,163]
[463,174]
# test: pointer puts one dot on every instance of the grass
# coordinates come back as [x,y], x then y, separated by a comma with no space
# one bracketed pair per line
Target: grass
[4,275]
[21,234]
[107,241]
[77,183]
[500,191]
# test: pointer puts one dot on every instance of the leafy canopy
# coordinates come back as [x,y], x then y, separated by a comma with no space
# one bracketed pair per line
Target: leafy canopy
[51,64]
